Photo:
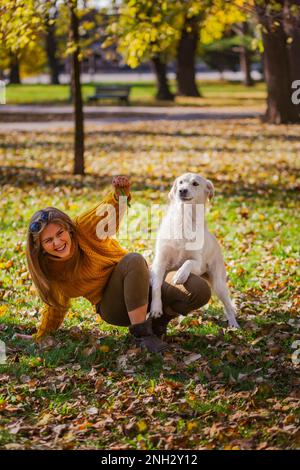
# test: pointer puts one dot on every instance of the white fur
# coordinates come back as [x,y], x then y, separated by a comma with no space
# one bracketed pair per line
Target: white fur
[174,252]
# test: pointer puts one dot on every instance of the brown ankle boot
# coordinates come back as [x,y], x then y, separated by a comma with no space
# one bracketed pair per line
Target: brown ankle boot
[146,339]
[159,325]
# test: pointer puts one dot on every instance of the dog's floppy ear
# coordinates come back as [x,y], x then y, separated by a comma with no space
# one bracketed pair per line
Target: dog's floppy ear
[173,190]
[210,190]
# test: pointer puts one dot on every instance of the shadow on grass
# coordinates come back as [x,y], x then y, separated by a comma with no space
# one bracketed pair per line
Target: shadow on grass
[222,351]
[89,348]
[27,177]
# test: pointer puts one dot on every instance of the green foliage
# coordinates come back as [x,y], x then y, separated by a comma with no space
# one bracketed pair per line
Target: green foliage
[224,53]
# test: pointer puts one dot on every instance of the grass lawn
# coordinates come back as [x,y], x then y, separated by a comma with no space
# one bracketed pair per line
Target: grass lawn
[87,386]
[214,94]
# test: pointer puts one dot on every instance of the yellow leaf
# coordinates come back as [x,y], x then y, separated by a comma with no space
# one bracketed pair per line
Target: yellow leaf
[142,426]
[231,447]
[45,419]
[3,309]
[104,348]
[192,426]
[9,264]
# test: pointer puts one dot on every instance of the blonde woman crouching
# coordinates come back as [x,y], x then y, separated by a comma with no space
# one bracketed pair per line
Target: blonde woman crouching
[67,259]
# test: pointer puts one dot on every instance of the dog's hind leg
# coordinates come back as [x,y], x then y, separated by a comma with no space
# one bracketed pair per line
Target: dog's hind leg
[221,290]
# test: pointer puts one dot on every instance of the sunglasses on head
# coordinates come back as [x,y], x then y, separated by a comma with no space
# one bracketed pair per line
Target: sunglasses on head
[36,226]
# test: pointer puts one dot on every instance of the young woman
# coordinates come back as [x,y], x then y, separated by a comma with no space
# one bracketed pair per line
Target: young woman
[70,258]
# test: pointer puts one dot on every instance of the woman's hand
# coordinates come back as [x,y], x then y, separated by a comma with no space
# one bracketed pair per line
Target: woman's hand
[121,184]
[21,336]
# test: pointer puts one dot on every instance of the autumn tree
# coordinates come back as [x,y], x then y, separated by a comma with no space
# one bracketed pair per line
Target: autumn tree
[76,89]
[51,16]
[163,87]
[144,31]
[20,25]
[278,22]
[193,13]
[168,30]
[242,31]
[159,32]
[280,29]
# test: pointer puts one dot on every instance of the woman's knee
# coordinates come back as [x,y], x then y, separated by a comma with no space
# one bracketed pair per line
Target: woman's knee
[136,267]
[135,260]
[136,282]
[199,291]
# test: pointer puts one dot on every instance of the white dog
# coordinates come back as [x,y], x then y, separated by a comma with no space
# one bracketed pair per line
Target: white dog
[196,252]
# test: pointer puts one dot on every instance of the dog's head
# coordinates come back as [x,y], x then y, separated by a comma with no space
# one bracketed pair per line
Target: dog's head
[191,188]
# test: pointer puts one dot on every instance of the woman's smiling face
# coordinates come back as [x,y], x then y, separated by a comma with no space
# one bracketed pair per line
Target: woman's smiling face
[56,240]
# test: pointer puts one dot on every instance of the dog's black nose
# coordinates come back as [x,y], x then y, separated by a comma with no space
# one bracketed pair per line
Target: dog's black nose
[183,192]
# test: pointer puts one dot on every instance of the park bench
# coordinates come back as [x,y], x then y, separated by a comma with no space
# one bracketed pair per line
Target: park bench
[121,92]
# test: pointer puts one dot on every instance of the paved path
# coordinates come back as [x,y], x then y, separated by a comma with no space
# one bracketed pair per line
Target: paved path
[36,117]
[127,110]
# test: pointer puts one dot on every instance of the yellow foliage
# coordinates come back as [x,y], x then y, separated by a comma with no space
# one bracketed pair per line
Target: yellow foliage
[219,17]
[192,426]
[3,309]
[142,425]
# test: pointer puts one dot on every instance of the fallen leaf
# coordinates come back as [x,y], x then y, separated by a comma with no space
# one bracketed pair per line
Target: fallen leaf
[192,358]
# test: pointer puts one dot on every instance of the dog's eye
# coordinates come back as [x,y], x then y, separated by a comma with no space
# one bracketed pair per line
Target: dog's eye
[180,182]
[195,183]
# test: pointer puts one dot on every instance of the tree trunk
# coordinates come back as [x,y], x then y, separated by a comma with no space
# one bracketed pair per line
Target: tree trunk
[262,61]
[292,29]
[186,56]
[14,72]
[76,93]
[276,73]
[280,108]
[163,89]
[51,48]
[245,62]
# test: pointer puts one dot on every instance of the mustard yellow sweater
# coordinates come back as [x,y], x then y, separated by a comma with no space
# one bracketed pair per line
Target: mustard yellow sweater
[98,259]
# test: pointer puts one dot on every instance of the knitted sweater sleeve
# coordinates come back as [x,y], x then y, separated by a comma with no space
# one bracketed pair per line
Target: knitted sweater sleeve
[51,319]
[103,220]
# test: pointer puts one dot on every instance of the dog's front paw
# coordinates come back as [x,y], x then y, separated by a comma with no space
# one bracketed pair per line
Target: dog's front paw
[156,309]
[181,276]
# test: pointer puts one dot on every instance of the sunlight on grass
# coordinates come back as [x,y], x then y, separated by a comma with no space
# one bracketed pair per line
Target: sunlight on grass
[213,94]
[90,377]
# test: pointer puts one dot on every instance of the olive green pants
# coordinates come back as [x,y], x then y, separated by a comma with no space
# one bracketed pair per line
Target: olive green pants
[129,288]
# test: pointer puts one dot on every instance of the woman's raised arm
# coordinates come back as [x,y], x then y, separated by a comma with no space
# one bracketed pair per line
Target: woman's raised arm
[106,216]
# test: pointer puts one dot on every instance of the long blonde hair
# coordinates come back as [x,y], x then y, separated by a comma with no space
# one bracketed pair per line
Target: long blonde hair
[50,290]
